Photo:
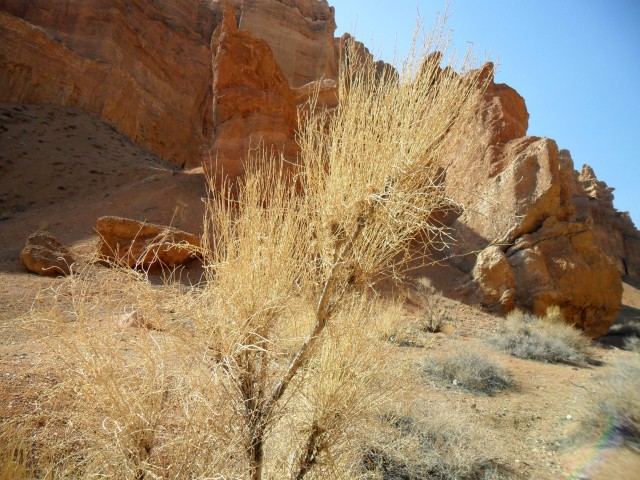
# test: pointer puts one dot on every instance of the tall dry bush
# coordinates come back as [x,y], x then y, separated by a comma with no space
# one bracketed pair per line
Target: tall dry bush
[271,366]
[369,181]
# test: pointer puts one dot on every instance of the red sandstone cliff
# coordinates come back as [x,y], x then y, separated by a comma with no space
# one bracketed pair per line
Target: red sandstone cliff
[253,105]
[145,66]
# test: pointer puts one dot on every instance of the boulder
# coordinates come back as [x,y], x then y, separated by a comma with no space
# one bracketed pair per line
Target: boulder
[496,283]
[561,265]
[135,244]
[45,255]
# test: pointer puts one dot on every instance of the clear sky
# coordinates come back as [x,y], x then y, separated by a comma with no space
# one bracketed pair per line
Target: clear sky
[575,62]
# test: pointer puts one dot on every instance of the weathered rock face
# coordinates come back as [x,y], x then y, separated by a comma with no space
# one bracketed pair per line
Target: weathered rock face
[517,182]
[560,264]
[143,65]
[360,53]
[137,244]
[323,92]
[613,231]
[45,255]
[253,104]
[299,32]
[527,201]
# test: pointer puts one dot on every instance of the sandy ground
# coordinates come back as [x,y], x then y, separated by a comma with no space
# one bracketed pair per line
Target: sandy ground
[61,169]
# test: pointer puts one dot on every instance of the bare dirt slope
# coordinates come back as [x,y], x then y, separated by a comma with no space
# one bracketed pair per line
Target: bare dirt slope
[61,169]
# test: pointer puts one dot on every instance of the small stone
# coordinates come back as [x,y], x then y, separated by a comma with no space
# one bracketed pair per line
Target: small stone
[569,417]
[45,255]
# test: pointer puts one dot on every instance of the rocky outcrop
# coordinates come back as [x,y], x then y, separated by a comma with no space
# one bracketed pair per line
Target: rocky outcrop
[135,244]
[516,179]
[321,95]
[613,231]
[146,67]
[299,32]
[560,264]
[526,200]
[45,255]
[348,46]
[494,276]
[253,105]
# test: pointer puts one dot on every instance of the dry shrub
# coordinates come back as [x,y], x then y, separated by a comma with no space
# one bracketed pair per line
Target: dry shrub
[470,370]
[438,443]
[616,416]
[162,402]
[434,317]
[129,401]
[546,339]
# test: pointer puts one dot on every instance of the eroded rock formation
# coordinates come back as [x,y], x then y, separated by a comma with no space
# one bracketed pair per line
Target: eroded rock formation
[613,231]
[253,105]
[552,224]
[299,32]
[144,66]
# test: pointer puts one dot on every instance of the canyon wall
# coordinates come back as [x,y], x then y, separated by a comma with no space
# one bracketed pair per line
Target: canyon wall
[145,66]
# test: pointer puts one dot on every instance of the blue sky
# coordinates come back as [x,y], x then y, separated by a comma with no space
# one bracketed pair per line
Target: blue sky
[575,62]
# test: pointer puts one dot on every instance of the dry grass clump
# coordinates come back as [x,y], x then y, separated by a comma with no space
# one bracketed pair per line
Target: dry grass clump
[632,344]
[546,339]
[470,370]
[616,416]
[130,400]
[434,317]
[436,444]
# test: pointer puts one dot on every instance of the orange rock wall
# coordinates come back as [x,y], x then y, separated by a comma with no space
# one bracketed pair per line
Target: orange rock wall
[143,66]
[299,32]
